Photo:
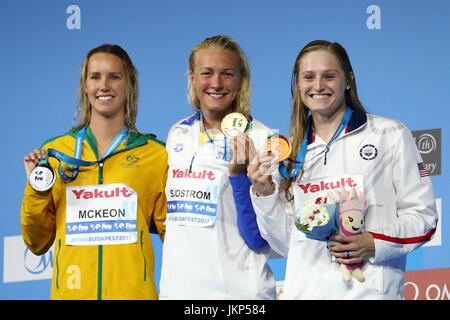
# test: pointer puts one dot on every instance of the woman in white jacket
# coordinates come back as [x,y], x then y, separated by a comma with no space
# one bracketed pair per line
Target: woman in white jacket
[213,248]
[337,144]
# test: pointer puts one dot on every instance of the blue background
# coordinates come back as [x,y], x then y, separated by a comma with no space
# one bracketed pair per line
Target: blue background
[402,71]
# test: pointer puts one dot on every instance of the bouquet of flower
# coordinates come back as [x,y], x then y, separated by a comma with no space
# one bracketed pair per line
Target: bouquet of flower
[318,218]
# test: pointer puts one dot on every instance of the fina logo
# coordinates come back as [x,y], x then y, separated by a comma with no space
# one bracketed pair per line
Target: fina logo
[426,143]
[37,264]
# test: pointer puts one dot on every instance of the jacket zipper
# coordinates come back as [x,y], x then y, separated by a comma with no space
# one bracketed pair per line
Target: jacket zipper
[325,157]
[100,247]
[143,256]
[57,264]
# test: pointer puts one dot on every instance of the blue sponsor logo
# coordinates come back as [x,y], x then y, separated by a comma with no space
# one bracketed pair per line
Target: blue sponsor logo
[37,264]
[178,147]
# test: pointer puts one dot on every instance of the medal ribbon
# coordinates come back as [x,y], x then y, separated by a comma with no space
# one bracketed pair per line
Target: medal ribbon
[211,140]
[76,160]
[301,155]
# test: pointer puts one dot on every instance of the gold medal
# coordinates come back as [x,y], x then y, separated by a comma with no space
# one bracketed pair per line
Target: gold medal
[280,145]
[233,123]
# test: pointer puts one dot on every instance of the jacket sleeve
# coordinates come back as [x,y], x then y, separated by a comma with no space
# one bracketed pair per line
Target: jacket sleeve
[37,219]
[160,208]
[246,218]
[416,217]
[274,215]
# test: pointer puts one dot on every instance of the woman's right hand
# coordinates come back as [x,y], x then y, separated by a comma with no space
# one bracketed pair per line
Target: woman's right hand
[31,159]
[259,171]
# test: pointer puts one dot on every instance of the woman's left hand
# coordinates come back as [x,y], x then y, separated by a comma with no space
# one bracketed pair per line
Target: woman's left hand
[352,249]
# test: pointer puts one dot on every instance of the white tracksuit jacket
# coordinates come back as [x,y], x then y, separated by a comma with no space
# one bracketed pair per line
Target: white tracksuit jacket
[401,213]
[211,262]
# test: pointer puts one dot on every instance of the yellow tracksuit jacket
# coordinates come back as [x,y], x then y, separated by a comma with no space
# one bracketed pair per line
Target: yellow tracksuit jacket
[122,271]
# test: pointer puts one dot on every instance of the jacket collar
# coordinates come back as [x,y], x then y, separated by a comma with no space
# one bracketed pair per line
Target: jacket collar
[357,120]
[189,121]
[131,141]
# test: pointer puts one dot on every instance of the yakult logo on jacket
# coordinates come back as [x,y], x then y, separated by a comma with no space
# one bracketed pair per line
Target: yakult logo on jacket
[96,193]
[186,174]
[326,184]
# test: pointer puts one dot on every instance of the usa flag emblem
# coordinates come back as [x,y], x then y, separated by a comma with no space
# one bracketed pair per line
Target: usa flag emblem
[423,170]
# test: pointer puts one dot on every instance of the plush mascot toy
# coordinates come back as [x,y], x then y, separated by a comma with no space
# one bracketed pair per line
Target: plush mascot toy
[352,207]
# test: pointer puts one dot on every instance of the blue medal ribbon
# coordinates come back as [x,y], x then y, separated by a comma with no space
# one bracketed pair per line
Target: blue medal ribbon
[301,155]
[76,160]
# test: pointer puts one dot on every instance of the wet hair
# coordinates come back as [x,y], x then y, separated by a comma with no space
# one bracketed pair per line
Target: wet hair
[84,109]
[300,111]
[220,42]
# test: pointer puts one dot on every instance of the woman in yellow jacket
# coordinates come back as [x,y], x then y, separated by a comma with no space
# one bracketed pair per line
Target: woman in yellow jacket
[108,190]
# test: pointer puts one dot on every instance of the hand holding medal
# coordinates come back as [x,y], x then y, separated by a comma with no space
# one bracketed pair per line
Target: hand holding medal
[233,126]
[280,146]
[40,174]
[278,149]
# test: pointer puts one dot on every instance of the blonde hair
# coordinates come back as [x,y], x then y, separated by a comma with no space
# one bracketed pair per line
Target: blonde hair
[242,102]
[300,112]
[84,108]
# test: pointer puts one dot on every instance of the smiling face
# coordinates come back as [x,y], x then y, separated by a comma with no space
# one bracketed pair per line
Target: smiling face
[322,82]
[352,221]
[106,85]
[216,79]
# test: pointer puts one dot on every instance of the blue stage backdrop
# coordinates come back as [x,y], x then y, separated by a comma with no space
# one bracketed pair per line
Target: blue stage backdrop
[399,50]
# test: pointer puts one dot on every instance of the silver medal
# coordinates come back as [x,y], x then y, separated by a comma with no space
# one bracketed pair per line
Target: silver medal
[42,178]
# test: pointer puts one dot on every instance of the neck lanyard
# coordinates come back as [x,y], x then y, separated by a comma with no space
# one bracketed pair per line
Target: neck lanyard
[76,161]
[301,155]
[211,140]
